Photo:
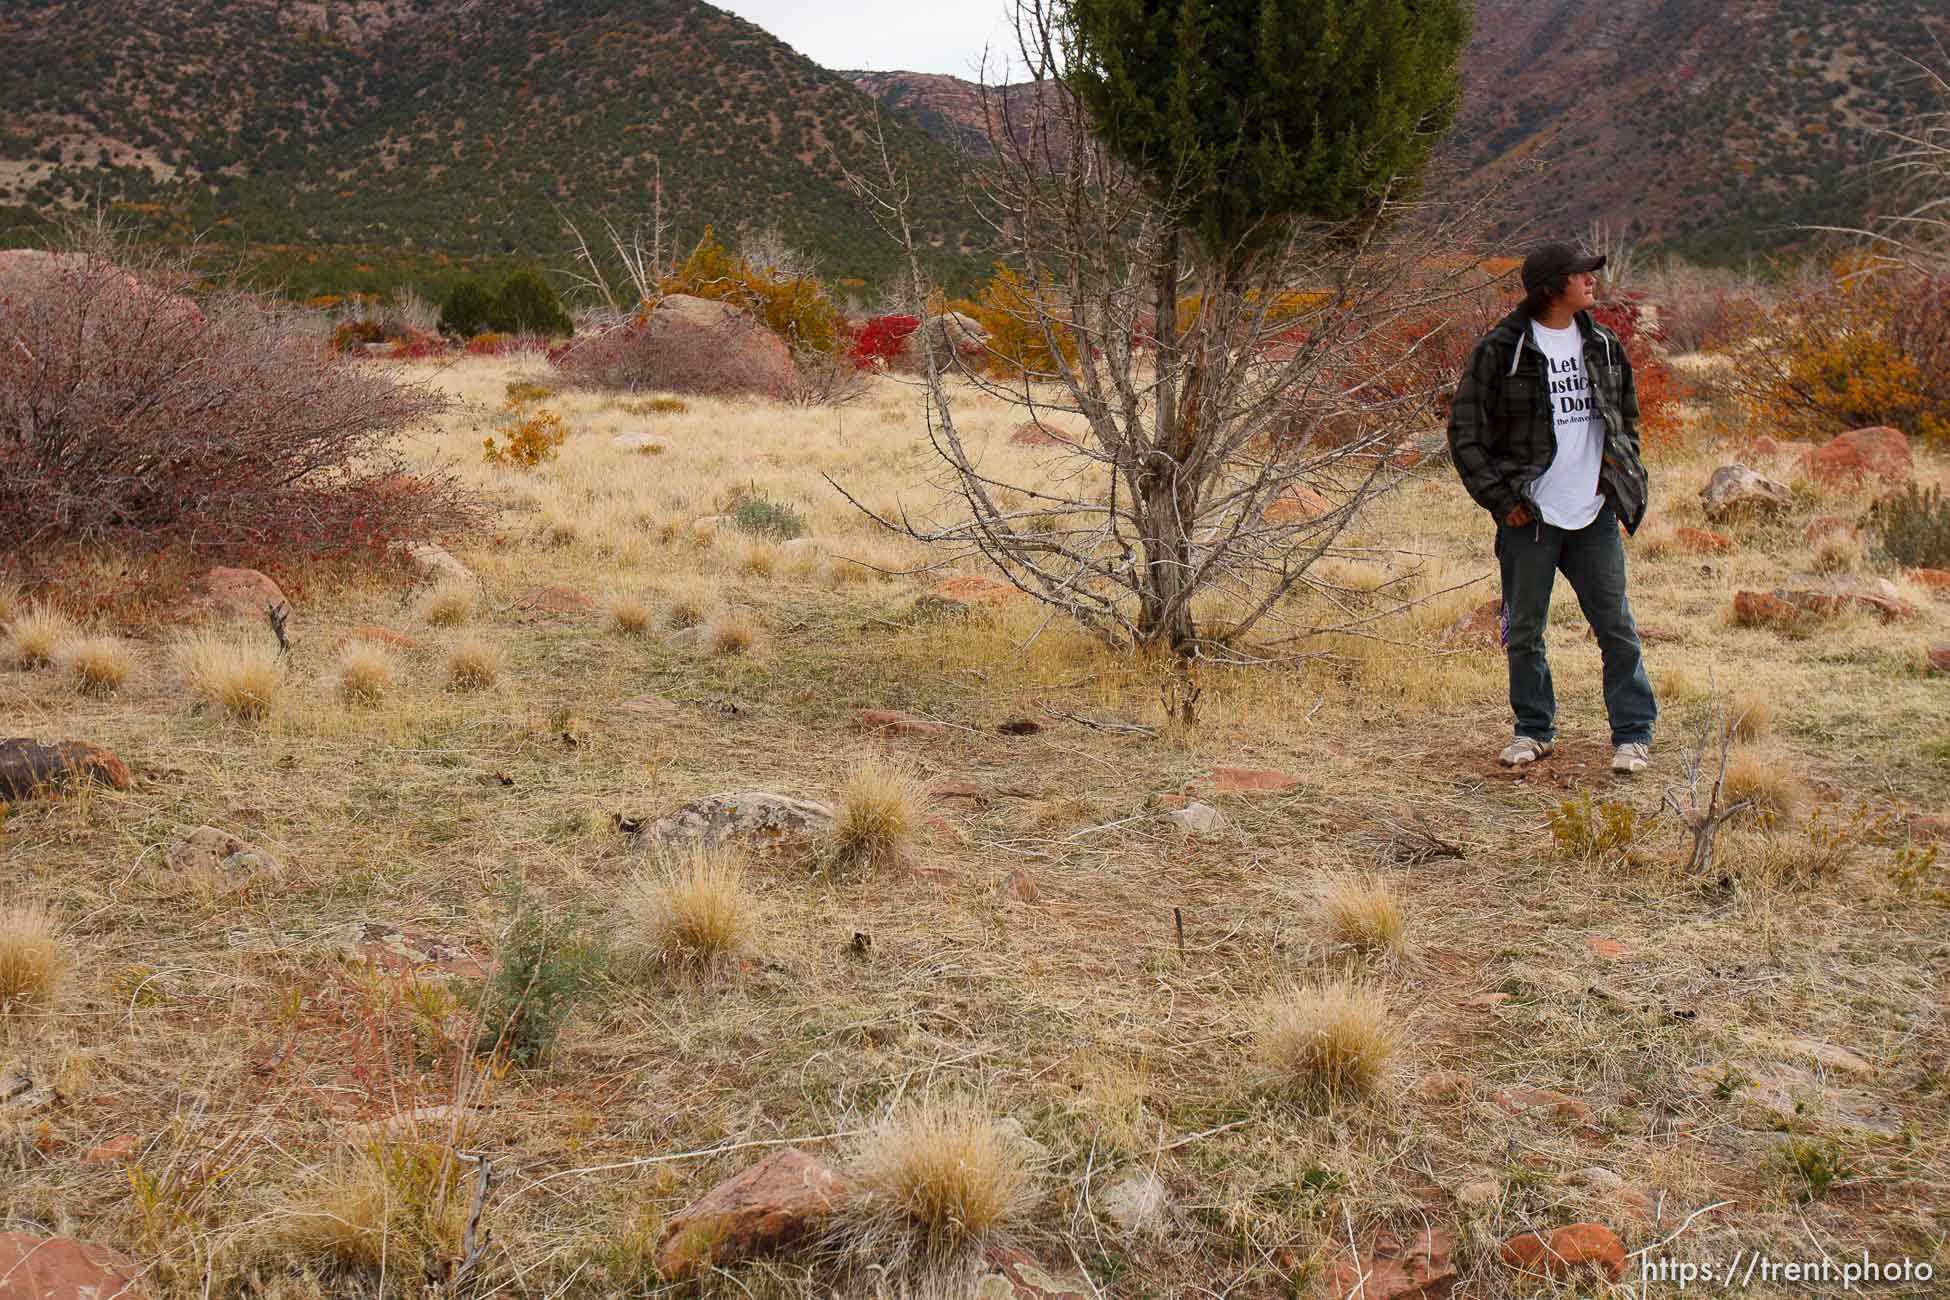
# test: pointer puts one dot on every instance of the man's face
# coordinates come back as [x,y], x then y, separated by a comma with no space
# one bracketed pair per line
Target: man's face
[1582,292]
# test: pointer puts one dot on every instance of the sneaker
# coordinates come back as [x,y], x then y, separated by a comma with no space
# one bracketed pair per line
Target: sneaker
[1630,757]
[1523,751]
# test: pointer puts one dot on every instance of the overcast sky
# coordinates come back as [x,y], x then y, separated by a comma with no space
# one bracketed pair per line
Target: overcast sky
[883,35]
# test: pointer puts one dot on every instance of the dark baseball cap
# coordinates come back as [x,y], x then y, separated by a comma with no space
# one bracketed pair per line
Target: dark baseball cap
[1548,261]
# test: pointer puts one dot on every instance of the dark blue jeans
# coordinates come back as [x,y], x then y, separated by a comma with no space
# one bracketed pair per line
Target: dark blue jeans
[1593,561]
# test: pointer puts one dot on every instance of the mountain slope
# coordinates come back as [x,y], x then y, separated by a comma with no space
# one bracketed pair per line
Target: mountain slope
[1712,125]
[446,124]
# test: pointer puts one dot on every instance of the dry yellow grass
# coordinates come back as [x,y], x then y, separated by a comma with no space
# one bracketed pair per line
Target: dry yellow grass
[365,673]
[1363,912]
[695,912]
[450,603]
[35,633]
[1749,715]
[244,679]
[33,957]
[1768,783]
[879,813]
[1327,1042]
[12,601]
[731,634]
[1838,553]
[938,1176]
[96,665]
[396,1207]
[628,615]
[473,664]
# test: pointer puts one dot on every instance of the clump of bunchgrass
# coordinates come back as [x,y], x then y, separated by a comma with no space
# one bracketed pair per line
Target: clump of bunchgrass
[696,912]
[1364,913]
[1767,784]
[936,1179]
[12,600]
[628,615]
[473,664]
[33,959]
[450,603]
[394,1207]
[1750,715]
[1323,1043]
[244,679]
[687,609]
[96,665]
[35,633]
[730,634]
[364,673]
[880,811]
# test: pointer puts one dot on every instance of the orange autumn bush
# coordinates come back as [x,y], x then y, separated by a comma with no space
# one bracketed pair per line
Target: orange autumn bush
[532,437]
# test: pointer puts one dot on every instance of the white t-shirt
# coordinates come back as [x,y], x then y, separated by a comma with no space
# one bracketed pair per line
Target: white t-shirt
[1567,493]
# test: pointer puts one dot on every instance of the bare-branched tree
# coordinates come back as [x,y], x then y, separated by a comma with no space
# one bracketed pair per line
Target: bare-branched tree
[1246,374]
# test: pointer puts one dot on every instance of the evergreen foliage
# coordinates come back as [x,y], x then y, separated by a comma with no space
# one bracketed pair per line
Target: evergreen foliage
[468,310]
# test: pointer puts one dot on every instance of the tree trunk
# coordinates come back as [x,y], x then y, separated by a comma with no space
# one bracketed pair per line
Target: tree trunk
[1163,621]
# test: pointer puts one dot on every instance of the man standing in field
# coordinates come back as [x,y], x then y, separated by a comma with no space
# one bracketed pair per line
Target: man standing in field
[1544,432]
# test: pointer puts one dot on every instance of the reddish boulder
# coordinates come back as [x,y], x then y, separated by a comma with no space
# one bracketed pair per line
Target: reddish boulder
[1297,502]
[1879,453]
[1764,446]
[971,589]
[1702,541]
[1389,1270]
[888,722]
[1825,526]
[28,769]
[769,1206]
[1446,1085]
[1579,1246]
[1931,827]
[111,1152]
[61,1268]
[1934,581]
[1940,658]
[233,593]
[1032,434]
[1480,628]
[1735,492]
[1759,609]
[1543,1101]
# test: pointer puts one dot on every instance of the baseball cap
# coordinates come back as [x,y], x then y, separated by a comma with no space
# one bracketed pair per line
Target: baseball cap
[1548,261]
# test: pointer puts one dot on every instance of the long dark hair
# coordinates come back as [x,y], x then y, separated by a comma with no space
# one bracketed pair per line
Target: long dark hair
[1538,300]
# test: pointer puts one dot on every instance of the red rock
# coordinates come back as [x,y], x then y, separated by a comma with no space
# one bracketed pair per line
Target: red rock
[1388,1270]
[1251,780]
[1930,826]
[1764,446]
[1032,434]
[1609,949]
[1703,541]
[769,1206]
[1297,503]
[113,1151]
[1483,1001]
[1021,886]
[1759,609]
[1445,1085]
[378,636]
[1940,658]
[408,952]
[233,593]
[1936,581]
[975,589]
[1831,604]
[1567,1250]
[1480,627]
[555,600]
[1825,526]
[1568,1109]
[28,769]
[1880,452]
[61,1268]
[944,790]
[887,722]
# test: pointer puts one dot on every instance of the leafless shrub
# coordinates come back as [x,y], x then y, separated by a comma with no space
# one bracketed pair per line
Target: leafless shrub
[824,379]
[667,355]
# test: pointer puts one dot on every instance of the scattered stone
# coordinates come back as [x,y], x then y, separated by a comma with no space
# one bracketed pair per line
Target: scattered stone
[973,589]
[1021,886]
[705,527]
[232,593]
[1032,434]
[1198,819]
[1788,1095]
[1763,447]
[1297,502]
[1019,727]
[1568,1109]
[1822,526]
[1631,1203]
[1389,1270]
[407,952]
[1480,628]
[61,1268]
[647,443]
[21,1094]
[377,636]
[1596,1176]
[769,1206]
[1835,1058]
[1929,826]
[888,722]
[1798,608]
[715,819]
[1009,1274]
[1479,1194]
[1609,949]
[1935,581]
[222,859]
[1702,541]
[1759,609]
[1939,657]
[112,1152]
[435,561]
[1880,452]
[1136,1202]
[1250,780]
[1483,1001]
[554,600]
[28,769]
[690,639]
[1735,492]
[1576,1247]
[1445,1085]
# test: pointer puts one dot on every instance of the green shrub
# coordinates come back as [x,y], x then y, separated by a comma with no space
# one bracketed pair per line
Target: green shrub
[542,970]
[1583,829]
[468,310]
[1913,527]
[763,517]
[527,305]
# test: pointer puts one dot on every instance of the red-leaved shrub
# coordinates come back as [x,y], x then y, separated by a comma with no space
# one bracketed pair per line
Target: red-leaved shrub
[879,340]
[131,415]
